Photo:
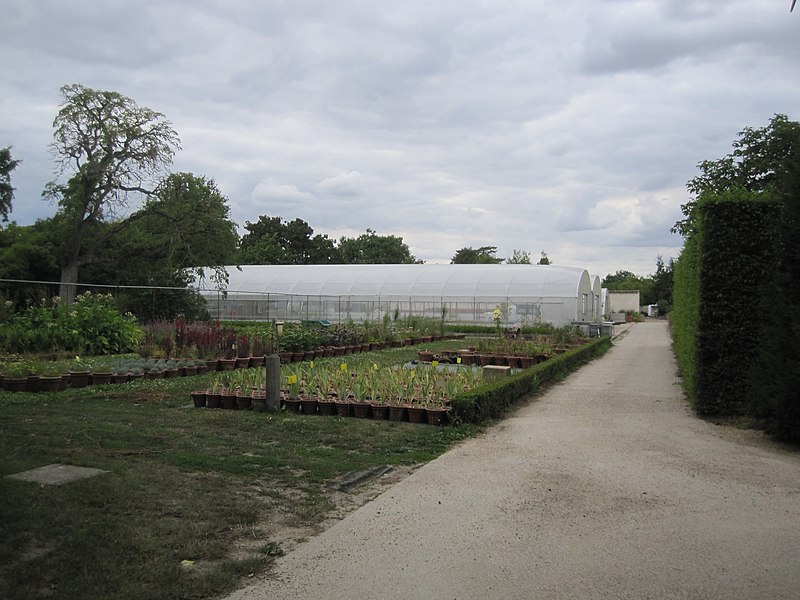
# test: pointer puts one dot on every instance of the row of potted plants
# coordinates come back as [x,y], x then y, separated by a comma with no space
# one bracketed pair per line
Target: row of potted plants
[420,395]
[515,352]
[48,376]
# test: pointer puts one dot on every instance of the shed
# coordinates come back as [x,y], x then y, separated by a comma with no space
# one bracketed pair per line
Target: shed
[467,293]
[622,301]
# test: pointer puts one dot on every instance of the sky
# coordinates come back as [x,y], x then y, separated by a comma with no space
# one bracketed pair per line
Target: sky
[567,127]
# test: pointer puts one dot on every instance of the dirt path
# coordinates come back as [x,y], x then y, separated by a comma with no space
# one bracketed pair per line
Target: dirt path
[605,487]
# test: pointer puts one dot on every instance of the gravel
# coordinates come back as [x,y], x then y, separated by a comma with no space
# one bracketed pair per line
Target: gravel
[606,486]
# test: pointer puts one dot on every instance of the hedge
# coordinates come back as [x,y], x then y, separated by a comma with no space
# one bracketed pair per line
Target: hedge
[491,400]
[686,312]
[737,256]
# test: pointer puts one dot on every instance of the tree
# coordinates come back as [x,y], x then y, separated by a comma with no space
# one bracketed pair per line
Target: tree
[761,160]
[27,253]
[520,257]
[180,232]
[485,255]
[188,222]
[371,249]
[625,280]
[544,260]
[273,241]
[662,282]
[7,164]
[114,149]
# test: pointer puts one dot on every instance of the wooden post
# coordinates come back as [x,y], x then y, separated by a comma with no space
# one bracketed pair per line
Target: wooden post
[273,366]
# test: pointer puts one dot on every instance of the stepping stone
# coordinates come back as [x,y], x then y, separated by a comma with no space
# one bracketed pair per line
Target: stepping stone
[56,474]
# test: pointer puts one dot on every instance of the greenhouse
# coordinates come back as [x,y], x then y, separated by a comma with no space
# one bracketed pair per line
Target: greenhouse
[463,293]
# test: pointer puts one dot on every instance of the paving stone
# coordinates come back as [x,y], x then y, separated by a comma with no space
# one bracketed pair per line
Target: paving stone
[56,474]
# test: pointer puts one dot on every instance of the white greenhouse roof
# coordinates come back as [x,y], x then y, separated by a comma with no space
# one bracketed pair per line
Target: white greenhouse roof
[412,281]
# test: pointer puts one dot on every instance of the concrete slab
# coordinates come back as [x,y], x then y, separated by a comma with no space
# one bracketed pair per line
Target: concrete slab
[56,474]
[495,372]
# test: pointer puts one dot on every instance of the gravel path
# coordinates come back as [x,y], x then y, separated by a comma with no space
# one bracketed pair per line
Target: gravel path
[605,487]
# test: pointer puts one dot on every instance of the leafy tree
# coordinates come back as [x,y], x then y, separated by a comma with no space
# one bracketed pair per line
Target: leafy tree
[273,241]
[7,164]
[181,230]
[371,249]
[625,280]
[188,222]
[485,255]
[28,254]
[662,283]
[620,279]
[520,257]
[544,260]
[113,148]
[761,160]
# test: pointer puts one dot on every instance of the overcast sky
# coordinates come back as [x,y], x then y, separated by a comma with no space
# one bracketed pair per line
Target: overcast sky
[570,127]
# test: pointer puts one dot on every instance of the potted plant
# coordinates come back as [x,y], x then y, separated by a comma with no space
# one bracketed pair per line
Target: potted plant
[360,404]
[342,386]
[214,393]
[120,375]
[322,384]
[198,398]
[292,385]
[79,373]
[378,394]
[16,375]
[49,376]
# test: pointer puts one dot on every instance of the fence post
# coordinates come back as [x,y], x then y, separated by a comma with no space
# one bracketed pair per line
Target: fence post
[273,366]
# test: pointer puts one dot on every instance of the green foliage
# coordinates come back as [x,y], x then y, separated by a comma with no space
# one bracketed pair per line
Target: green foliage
[114,146]
[484,255]
[491,400]
[738,248]
[625,280]
[7,165]
[28,253]
[686,311]
[273,241]
[519,257]
[185,226]
[736,284]
[372,249]
[92,325]
[776,372]
[761,160]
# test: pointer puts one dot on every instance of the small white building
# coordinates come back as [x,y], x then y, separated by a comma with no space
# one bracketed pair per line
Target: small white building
[622,301]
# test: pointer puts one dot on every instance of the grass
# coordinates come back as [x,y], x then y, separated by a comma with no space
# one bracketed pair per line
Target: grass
[184,487]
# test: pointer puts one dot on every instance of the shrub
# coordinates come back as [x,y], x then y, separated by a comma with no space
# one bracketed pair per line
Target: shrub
[491,400]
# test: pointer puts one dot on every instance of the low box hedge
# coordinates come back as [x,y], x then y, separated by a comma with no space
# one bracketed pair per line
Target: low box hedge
[491,400]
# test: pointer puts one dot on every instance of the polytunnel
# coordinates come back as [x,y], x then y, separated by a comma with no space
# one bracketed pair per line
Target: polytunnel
[466,293]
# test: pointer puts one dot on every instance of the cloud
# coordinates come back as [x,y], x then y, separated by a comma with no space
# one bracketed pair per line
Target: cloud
[565,127]
[350,183]
[269,190]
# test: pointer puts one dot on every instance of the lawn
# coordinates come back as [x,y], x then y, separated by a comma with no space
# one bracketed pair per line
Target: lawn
[188,505]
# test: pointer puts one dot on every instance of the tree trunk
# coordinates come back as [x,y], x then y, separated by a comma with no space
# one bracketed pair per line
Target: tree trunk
[69,278]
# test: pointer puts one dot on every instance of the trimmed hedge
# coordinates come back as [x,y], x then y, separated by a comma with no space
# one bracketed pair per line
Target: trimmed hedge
[491,400]
[737,256]
[686,312]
